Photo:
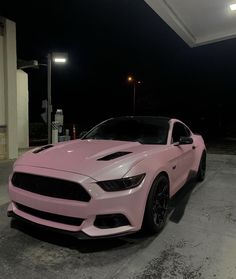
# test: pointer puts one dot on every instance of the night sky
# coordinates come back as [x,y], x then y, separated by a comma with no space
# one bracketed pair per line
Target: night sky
[108,40]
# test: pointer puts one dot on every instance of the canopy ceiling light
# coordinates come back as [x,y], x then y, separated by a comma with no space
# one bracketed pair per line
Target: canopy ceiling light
[233,7]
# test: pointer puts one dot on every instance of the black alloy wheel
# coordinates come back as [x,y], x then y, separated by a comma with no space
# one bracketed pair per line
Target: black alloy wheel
[157,205]
[202,168]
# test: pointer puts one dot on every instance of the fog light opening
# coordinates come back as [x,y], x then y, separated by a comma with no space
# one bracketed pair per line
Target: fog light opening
[111,221]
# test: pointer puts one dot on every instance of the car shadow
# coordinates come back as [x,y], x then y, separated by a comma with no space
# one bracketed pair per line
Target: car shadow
[82,245]
[180,200]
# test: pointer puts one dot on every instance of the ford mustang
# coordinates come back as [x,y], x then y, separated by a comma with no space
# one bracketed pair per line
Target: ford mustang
[117,179]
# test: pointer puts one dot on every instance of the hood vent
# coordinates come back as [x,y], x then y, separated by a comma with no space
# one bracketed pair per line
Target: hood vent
[114,156]
[42,148]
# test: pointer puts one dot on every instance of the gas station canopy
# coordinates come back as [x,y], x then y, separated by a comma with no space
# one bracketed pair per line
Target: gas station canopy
[198,22]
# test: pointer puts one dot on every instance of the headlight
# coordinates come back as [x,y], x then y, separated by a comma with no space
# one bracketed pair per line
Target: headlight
[121,184]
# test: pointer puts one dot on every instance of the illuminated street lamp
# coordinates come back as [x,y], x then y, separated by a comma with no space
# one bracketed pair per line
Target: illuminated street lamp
[134,81]
[130,78]
[58,58]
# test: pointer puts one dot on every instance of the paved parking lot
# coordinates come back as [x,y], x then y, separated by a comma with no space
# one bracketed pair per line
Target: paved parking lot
[199,240]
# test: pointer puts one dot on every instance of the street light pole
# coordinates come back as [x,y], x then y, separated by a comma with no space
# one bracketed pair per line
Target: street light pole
[134,101]
[49,97]
[58,58]
[135,82]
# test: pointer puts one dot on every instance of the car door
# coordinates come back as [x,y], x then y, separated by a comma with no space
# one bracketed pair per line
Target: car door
[183,156]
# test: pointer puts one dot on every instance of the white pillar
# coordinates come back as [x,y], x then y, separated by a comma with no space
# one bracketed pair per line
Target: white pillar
[2,95]
[9,54]
[22,109]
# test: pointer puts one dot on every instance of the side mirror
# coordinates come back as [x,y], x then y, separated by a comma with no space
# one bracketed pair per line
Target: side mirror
[185,140]
[83,133]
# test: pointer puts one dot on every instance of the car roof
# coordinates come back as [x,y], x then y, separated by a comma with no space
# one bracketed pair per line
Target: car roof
[162,118]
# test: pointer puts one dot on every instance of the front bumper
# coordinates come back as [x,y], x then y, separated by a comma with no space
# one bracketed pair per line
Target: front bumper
[129,203]
[79,235]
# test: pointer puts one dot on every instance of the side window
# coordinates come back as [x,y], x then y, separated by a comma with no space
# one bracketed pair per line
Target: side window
[179,130]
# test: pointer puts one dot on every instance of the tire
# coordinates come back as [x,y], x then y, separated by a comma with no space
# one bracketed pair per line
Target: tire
[202,168]
[157,205]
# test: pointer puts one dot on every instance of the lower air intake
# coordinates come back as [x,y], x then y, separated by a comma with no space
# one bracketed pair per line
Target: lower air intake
[50,216]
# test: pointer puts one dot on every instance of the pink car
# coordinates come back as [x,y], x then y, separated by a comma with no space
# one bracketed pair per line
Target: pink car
[116,179]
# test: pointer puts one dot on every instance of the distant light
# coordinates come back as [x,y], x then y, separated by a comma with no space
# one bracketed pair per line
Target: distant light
[139,82]
[233,7]
[130,79]
[59,57]
[59,60]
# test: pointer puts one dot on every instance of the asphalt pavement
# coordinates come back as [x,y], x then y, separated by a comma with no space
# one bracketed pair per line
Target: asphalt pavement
[199,240]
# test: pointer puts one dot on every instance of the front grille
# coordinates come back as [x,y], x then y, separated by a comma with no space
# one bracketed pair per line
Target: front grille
[50,216]
[51,187]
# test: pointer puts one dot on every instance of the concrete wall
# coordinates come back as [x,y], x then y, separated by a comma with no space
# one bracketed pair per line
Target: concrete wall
[2,97]
[8,95]
[22,109]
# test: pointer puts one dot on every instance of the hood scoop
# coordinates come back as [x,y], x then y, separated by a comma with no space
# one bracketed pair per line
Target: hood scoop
[42,148]
[114,156]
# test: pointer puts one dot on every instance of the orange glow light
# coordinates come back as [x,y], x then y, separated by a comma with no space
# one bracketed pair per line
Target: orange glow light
[130,79]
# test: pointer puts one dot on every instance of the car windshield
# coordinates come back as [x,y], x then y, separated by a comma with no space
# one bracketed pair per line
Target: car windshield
[146,130]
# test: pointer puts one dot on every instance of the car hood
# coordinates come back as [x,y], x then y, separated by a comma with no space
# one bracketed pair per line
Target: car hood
[85,157]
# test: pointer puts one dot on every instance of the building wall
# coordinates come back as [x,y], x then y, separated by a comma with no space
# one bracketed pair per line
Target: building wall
[2,97]
[22,109]
[8,96]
